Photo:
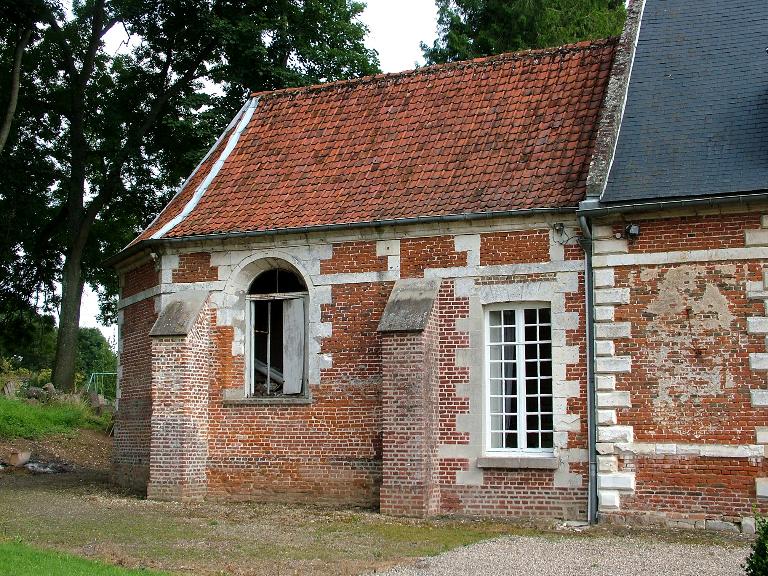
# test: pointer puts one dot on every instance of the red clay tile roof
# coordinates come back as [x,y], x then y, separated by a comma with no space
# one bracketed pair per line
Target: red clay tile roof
[508,132]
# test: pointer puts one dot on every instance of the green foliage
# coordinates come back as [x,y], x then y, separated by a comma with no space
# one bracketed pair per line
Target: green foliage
[27,337]
[474,28]
[20,419]
[102,138]
[757,561]
[28,561]
[28,344]
[94,353]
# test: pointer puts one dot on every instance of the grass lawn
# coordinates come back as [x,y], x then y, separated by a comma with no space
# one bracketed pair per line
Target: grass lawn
[22,560]
[19,419]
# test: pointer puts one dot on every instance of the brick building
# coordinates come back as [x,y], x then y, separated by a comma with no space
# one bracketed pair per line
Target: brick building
[456,290]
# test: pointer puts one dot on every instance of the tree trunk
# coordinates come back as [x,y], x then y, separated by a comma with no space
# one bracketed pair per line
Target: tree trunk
[5,129]
[69,321]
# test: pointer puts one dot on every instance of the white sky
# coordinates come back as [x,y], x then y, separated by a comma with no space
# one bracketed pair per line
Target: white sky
[396,27]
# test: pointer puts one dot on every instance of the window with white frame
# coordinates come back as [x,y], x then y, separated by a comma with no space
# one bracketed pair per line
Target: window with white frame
[519,378]
[276,334]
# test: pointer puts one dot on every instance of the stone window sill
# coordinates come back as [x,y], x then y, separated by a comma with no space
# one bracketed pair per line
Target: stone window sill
[236,398]
[528,462]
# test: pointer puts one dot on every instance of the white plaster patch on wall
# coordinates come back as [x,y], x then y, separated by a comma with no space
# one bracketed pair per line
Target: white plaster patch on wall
[556,249]
[685,292]
[168,263]
[681,257]
[506,270]
[469,243]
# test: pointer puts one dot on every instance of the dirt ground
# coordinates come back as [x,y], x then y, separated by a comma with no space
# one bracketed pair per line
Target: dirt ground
[79,512]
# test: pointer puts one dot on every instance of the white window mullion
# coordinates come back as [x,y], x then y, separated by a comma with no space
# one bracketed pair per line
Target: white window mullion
[522,439]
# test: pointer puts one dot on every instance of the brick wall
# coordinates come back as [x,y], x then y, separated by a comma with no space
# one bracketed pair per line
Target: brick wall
[416,254]
[500,492]
[680,356]
[410,421]
[130,461]
[181,378]
[691,232]
[351,257]
[326,451]
[140,278]
[329,449]
[195,267]
[514,247]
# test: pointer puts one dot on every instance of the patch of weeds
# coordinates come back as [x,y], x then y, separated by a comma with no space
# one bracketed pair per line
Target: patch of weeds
[20,419]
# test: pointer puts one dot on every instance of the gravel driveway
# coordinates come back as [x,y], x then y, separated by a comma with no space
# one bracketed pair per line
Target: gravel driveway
[568,556]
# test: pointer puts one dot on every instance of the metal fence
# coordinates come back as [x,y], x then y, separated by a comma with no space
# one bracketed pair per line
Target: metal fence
[104,383]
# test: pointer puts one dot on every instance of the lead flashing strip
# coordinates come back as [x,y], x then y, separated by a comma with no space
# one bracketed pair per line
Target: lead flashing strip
[201,189]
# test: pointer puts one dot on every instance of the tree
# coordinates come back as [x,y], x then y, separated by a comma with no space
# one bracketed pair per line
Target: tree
[111,134]
[474,28]
[94,353]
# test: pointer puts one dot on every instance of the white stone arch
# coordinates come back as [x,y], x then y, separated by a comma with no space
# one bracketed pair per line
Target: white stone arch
[231,302]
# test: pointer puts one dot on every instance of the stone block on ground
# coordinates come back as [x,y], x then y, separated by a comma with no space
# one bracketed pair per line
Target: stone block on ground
[19,458]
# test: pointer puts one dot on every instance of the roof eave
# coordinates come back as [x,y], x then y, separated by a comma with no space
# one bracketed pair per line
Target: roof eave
[147,244]
[593,207]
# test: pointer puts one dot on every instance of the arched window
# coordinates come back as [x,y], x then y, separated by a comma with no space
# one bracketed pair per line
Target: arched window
[277,334]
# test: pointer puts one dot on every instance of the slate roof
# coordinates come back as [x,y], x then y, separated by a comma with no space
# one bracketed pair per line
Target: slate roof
[509,132]
[696,116]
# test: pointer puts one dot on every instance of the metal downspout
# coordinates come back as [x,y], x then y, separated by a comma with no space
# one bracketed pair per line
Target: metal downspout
[586,244]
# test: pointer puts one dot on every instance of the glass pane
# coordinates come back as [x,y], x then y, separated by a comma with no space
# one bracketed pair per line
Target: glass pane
[510,422]
[509,334]
[495,352]
[495,335]
[510,387]
[530,316]
[546,404]
[546,440]
[494,317]
[545,351]
[546,368]
[497,387]
[533,439]
[532,404]
[497,404]
[545,333]
[510,369]
[530,333]
[531,351]
[510,440]
[531,387]
[531,369]
[509,317]
[497,422]
[545,386]
[544,316]
[509,352]
[497,440]
[546,422]
[495,369]
[532,422]
[510,404]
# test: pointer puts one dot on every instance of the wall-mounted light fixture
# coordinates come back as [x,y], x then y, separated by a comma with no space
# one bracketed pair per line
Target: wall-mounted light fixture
[632,231]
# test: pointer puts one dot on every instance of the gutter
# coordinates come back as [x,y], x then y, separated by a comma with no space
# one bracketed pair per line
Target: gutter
[592,207]
[471,216]
[589,295]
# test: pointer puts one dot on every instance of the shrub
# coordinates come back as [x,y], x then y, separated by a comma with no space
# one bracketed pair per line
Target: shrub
[757,561]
